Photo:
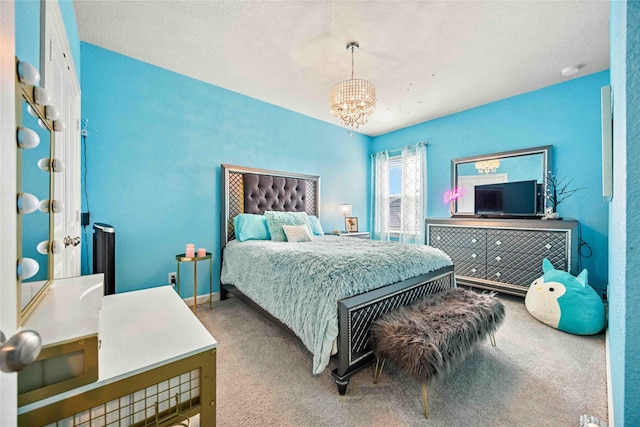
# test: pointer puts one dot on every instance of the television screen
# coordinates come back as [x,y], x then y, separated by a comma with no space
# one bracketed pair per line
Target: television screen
[507,198]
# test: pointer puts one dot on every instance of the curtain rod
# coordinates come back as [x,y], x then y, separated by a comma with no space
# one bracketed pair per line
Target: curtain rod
[398,150]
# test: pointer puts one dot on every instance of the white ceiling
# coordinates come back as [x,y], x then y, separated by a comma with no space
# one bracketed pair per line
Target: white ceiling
[427,59]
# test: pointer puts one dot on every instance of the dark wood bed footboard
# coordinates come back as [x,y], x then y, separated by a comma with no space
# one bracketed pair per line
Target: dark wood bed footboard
[355,315]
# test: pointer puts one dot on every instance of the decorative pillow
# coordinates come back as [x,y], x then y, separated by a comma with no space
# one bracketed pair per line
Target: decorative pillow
[276,219]
[314,223]
[565,302]
[297,233]
[251,227]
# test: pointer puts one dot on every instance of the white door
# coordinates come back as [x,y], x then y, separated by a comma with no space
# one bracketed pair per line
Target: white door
[61,81]
[8,297]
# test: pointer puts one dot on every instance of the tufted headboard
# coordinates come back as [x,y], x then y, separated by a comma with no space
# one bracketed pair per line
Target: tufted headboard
[250,190]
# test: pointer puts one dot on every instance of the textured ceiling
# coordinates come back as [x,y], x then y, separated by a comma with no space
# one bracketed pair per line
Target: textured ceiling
[427,59]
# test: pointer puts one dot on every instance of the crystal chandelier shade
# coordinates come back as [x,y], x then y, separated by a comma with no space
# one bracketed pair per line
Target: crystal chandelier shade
[488,166]
[352,101]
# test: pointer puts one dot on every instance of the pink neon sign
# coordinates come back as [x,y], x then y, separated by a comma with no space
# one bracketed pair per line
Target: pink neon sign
[451,195]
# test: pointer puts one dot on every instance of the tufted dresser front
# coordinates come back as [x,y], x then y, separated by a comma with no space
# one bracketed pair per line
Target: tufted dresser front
[504,254]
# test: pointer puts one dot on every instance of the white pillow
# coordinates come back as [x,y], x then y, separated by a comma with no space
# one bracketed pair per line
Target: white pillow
[297,233]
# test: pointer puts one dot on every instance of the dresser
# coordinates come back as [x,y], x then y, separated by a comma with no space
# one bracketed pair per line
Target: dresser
[504,255]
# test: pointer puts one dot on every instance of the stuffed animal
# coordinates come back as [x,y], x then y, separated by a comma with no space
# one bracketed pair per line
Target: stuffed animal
[565,302]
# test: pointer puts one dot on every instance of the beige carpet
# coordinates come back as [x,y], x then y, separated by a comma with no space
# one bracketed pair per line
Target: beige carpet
[537,376]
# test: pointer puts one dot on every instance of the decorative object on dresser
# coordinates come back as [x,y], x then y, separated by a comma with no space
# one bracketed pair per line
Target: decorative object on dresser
[504,254]
[565,302]
[557,191]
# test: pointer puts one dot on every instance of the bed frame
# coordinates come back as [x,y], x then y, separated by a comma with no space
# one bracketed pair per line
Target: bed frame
[356,313]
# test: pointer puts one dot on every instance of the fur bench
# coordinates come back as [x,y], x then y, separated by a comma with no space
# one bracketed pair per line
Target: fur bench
[430,337]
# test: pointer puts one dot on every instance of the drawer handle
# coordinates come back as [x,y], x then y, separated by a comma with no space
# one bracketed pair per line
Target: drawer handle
[498,274]
[473,240]
[498,242]
[473,270]
[474,256]
[498,258]
[548,246]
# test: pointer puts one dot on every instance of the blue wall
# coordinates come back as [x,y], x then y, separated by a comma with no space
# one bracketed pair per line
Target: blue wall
[624,228]
[566,116]
[154,164]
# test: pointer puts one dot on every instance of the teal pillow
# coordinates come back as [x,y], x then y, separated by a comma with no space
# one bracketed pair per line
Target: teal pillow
[275,221]
[251,227]
[314,223]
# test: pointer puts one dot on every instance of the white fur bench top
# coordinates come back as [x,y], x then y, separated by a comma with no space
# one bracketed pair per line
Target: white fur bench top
[430,337]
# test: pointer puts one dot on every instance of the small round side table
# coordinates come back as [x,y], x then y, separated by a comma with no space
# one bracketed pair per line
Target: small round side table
[182,258]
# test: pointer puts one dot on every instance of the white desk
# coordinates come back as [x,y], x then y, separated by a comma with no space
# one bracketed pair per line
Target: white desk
[147,338]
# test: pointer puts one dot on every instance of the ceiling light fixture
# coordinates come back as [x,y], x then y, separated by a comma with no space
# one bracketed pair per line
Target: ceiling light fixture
[570,71]
[352,101]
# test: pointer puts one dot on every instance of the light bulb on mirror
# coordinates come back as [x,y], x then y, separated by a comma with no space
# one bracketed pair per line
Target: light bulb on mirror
[27,268]
[27,203]
[41,96]
[48,165]
[58,125]
[27,138]
[51,113]
[43,247]
[28,74]
[31,111]
[54,206]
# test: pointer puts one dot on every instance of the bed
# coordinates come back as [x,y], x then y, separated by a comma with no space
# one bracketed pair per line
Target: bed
[326,291]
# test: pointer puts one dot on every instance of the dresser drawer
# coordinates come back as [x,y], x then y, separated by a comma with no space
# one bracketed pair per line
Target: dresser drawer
[478,271]
[457,236]
[514,276]
[527,241]
[525,261]
[462,254]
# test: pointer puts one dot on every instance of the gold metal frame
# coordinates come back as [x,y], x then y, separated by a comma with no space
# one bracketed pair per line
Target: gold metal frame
[87,345]
[26,93]
[204,404]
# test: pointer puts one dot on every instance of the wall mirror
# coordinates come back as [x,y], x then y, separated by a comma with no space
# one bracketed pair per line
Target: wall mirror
[35,122]
[508,166]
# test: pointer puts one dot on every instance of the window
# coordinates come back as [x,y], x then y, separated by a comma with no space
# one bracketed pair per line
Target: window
[399,194]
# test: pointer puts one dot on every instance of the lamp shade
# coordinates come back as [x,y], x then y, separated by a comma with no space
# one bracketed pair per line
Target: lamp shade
[345,210]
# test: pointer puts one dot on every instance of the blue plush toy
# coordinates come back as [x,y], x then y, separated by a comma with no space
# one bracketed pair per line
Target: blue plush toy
[565,302]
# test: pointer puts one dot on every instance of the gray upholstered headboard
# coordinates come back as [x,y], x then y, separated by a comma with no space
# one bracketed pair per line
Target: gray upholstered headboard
[250,190]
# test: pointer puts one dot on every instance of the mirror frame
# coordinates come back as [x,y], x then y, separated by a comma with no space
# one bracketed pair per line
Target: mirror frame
[25,93]
[547,159]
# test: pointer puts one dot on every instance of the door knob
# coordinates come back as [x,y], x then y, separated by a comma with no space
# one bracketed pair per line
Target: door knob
[19,351]
[71,241]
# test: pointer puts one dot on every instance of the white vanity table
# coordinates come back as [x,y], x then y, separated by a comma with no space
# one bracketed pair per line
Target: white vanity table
[156,361]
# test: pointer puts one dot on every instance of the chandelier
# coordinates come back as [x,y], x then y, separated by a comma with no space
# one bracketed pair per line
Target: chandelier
[353,100]
[488,166]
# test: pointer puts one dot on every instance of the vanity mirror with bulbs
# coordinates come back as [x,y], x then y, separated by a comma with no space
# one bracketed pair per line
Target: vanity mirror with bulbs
[71,341]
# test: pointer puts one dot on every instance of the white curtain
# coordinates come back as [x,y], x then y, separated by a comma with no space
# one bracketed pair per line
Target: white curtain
[414,193]
[380,195]
[413,163]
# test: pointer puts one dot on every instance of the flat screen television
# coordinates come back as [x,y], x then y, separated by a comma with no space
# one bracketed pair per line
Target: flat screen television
[518,198]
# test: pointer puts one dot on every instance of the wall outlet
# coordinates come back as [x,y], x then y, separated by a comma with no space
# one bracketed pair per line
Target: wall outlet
[172,279]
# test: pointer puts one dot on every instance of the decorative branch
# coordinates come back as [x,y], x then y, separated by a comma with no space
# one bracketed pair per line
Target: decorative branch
[558,190]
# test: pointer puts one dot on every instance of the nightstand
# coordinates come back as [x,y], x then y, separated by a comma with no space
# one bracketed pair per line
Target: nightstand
[183,258]
[356,234]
